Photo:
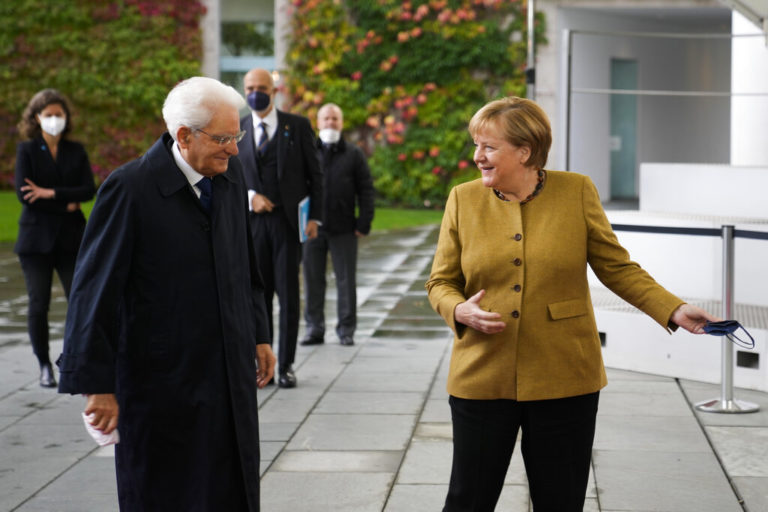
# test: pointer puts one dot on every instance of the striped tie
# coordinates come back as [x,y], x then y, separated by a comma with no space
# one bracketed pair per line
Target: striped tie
[263,139]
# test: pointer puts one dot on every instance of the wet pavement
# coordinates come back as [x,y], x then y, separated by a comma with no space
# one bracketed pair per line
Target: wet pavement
[368,427]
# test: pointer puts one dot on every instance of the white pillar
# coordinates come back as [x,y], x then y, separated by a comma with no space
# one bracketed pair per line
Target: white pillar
[282,31]
[749,114]
[210,26]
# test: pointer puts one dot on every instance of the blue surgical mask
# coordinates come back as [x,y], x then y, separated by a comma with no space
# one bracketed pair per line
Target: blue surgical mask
[259,101]
[728,329]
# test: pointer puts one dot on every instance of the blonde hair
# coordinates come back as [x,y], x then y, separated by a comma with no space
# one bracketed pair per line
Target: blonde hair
[521,122]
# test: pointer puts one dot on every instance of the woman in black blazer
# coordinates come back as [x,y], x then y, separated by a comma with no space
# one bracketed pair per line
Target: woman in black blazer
[53,176]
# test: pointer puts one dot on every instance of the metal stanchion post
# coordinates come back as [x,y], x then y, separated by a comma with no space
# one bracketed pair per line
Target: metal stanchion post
[726,403]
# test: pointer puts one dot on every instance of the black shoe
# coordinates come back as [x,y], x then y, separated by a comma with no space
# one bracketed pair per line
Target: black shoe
[346,341]
[287,378]
[47,380]
[312,340]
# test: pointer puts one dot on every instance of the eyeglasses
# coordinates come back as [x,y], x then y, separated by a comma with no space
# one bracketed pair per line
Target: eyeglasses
[223,140]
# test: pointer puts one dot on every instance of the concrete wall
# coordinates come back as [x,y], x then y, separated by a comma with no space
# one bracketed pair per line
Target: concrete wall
[669,129]
[749,114]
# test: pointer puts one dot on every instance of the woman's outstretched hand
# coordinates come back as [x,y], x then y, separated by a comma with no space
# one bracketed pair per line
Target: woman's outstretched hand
[472,315]
[692,318]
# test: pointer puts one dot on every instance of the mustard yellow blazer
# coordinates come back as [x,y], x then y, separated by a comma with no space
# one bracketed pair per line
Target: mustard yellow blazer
[532,262]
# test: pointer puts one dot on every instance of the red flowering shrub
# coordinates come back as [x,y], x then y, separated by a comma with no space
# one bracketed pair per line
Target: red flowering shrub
[408,75]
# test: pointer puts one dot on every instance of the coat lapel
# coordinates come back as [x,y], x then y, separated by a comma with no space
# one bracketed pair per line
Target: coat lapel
[284,137]
[167,175]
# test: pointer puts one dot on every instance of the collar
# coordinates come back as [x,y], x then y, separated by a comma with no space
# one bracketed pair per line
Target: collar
[192,175]
[338,146]
[270,119]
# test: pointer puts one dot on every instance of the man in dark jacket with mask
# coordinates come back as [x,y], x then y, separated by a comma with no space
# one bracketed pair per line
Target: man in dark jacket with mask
[281,169]
[347,182]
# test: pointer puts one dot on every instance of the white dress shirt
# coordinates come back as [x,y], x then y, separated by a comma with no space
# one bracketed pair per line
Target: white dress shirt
[271,121]
[192,175]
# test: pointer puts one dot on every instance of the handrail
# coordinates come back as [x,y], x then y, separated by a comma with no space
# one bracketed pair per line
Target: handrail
[726,403]
[737,233]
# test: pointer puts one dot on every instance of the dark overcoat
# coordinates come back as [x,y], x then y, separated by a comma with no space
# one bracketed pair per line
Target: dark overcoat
[166,310]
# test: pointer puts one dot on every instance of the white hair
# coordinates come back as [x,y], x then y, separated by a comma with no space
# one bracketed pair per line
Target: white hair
[193,103]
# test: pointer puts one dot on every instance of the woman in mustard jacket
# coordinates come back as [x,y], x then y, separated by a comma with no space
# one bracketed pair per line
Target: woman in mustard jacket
[510,278]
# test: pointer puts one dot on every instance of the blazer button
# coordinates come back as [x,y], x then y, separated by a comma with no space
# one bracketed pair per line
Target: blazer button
[517,287]
[515,314]
[517,262]
[518,237]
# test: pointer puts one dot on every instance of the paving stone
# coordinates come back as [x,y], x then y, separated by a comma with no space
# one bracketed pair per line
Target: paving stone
[420,498]
[354,432]
[400,382]
[434,431]
[618,403]
[667,481]
[393,363]
[742,450]
[310,492]
[436,411]
[655,433]
[754,491]
[341,402]
[281,431]
[339,461]
[286,409]
[427,462]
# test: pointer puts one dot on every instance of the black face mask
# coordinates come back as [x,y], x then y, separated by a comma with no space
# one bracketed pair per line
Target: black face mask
[258,100]
[727,328]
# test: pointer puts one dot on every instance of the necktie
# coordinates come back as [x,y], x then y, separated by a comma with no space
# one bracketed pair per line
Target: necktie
[263,139]
[206,192]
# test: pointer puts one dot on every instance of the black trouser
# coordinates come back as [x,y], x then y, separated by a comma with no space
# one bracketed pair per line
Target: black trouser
[343,249]
[556,446]
[38,274]
[278,253]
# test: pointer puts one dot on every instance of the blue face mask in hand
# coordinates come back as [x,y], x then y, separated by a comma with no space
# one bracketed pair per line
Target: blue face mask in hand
[727,328]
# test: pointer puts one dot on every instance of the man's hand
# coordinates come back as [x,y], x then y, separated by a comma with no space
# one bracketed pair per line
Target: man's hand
[359,234]
[261,203]
[73,207]
[265,364]
[105,412]
[311,229]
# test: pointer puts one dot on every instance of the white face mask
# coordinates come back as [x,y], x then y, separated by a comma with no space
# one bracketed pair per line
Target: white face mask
[330,136]
[53,125]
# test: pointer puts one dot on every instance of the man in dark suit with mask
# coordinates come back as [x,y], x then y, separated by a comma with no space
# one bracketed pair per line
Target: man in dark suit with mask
[281,169]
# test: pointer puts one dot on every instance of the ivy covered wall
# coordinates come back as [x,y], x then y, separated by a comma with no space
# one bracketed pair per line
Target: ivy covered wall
[408,74]
[115,61]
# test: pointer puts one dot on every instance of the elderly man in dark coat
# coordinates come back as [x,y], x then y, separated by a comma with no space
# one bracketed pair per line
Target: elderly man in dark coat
[167,333]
